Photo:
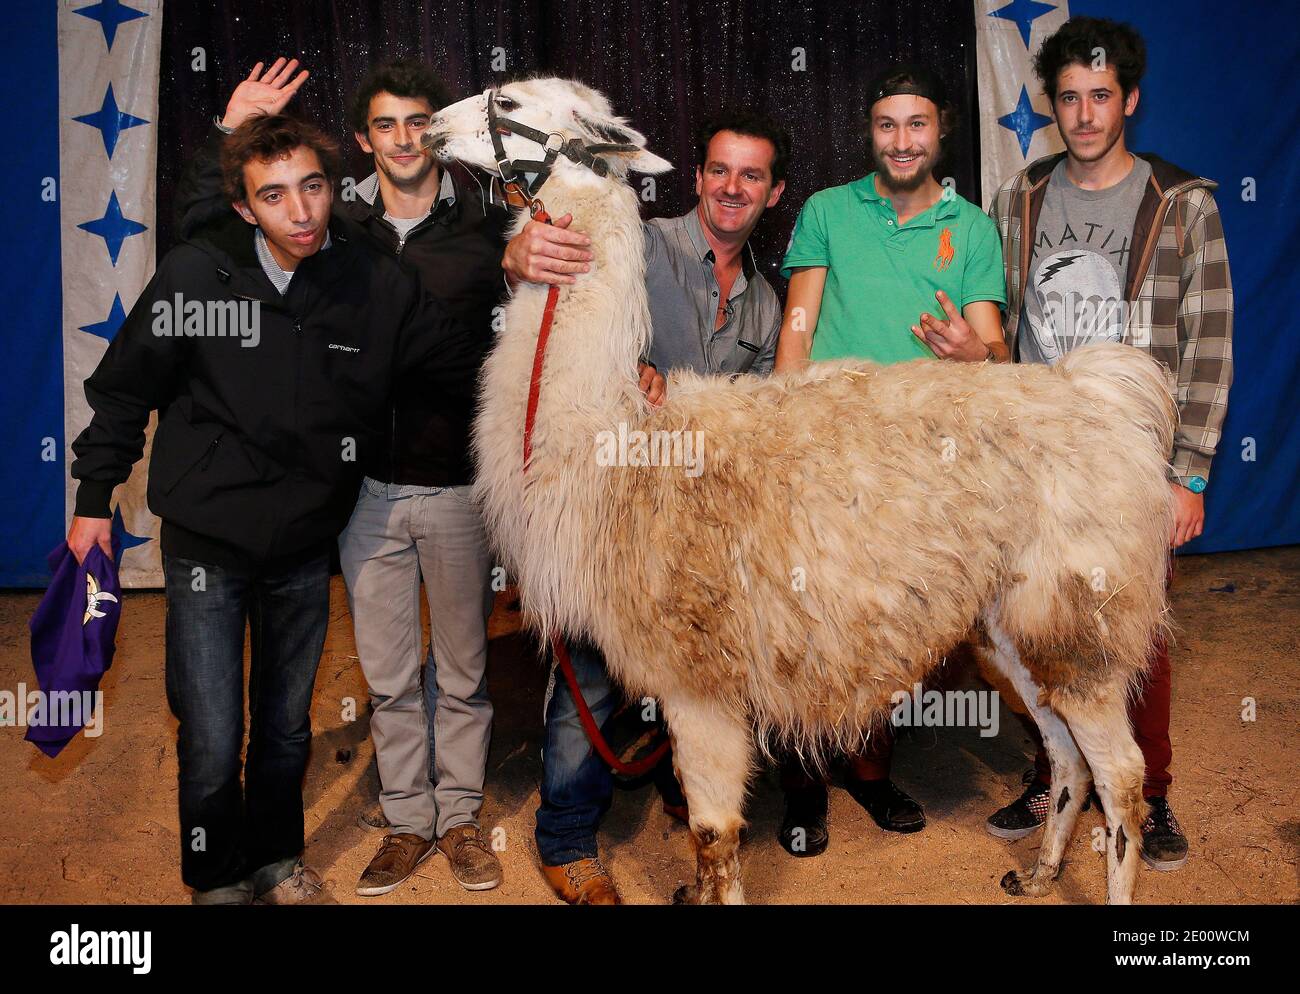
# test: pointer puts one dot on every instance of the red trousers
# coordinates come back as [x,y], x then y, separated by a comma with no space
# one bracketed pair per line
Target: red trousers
[1148,713]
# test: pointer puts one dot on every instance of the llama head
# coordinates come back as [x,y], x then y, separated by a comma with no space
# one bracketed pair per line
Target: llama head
[561,107]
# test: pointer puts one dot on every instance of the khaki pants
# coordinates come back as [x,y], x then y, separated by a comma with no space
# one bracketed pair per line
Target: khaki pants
[432,747]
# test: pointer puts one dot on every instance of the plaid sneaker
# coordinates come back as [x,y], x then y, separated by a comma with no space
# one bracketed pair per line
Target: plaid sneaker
[1164,846]
[1023,816]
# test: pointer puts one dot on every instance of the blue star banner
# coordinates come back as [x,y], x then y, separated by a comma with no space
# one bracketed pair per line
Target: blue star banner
[1014,115]
[82,185]
[1206,61]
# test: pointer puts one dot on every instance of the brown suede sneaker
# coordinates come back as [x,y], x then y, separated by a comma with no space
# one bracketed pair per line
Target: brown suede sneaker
[473,863]
[396,860]
[584,881]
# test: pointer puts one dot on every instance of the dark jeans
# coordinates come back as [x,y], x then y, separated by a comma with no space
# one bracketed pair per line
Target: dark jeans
[227,831]
[577,786]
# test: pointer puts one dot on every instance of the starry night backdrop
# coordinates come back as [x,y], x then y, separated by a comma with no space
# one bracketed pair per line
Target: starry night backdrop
[664,64]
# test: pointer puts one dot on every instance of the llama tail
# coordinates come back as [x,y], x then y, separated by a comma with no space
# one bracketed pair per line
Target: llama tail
[1130,384]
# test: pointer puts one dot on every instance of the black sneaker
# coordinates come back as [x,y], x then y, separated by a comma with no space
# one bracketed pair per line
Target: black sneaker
[1164,846]
[890,808]
[1024,816]
[803,830]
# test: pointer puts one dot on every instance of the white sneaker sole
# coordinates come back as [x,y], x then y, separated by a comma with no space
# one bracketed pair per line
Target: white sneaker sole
[472,887]
[1011,834]
[389,888]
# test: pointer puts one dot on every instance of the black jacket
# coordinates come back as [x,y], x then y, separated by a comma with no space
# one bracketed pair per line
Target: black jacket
[258,453]
[456,254]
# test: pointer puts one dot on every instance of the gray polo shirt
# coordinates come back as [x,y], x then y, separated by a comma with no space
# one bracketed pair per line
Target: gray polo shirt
[684,303]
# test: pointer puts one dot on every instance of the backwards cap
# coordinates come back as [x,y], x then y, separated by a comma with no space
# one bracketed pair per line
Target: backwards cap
[923,83]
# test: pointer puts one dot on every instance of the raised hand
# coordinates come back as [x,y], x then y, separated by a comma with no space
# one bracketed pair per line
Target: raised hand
[264,92]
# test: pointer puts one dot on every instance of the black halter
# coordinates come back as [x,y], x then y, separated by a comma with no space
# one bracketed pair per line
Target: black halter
[554,144]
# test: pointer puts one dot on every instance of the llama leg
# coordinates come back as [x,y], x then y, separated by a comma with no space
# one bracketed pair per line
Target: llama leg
[713,755]
[1103,733]
[1070,778]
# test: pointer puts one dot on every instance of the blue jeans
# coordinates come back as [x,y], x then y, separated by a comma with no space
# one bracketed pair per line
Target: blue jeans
[229,831]
[577,786]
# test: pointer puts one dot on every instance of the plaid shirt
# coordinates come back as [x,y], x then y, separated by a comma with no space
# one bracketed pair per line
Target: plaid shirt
[1178,292]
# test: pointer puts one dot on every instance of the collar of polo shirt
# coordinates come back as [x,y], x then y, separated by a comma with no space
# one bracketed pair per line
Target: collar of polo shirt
[865,188]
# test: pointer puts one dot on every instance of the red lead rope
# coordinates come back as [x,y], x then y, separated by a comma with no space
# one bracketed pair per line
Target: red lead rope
[597,740]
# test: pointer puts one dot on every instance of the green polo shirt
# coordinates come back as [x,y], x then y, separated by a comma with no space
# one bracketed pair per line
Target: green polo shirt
[881,276]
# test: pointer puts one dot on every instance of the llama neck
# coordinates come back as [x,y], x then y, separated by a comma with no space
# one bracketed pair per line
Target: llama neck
[605,325]
[589,386]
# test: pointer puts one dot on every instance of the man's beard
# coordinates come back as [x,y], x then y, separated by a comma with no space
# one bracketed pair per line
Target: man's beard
[1099,155]
[427,163]
[905,184]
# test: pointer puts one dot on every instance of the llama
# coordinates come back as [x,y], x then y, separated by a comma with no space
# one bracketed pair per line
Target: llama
[851,523]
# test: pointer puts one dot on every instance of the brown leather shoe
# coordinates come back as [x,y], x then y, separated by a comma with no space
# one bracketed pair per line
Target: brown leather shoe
[396,860]
[584,881]
[473,863]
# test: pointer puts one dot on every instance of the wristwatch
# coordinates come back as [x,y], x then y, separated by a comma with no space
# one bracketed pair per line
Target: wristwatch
[1196,484]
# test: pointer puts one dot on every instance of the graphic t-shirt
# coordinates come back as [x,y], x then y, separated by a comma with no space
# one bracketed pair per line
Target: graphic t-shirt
[1075,291]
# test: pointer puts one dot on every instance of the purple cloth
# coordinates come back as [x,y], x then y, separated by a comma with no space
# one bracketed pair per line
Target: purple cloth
[73,629]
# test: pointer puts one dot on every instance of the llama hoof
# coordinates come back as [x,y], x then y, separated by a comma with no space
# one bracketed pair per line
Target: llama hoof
[1031,886]
[686,894]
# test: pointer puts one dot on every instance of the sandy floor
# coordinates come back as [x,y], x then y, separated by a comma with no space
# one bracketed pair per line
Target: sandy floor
[99,824]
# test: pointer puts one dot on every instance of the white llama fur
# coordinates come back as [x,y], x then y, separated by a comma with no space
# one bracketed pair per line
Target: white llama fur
[913,501]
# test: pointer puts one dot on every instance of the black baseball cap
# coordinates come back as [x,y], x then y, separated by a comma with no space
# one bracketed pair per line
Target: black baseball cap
[916,80]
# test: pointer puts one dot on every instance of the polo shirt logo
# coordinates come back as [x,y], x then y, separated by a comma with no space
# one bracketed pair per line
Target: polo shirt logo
[943,258]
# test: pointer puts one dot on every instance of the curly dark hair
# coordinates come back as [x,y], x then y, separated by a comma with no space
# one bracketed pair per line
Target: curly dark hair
[272,136]
[1077,42]
[401,78]
[751,124]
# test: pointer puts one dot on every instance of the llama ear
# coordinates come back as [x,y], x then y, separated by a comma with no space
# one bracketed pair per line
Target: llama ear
[615,131]
[647,162]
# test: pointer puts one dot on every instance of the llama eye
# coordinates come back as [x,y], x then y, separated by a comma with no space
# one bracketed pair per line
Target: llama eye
[505,103]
